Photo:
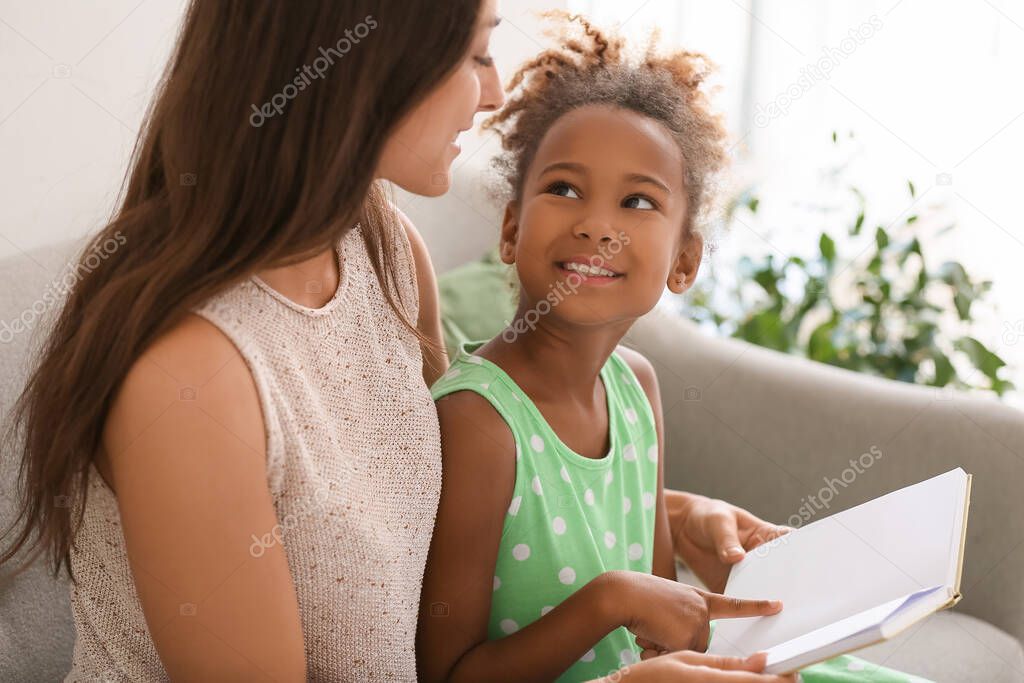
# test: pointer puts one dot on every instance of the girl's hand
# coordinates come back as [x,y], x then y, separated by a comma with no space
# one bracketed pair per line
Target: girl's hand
[711,535]
[698,667]
[672,616]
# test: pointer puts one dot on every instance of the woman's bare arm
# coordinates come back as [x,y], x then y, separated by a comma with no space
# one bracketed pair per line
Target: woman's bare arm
[186,451]
[452,645]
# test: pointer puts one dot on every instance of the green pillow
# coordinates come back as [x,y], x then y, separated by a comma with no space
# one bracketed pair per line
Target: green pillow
[477,300]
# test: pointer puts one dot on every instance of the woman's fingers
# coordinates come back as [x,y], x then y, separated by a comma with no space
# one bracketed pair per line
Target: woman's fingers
[650,648]
[721,606]
[722,527]
[645,644]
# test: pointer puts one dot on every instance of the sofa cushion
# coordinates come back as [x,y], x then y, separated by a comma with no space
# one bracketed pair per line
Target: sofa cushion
[950,646]
[477,301]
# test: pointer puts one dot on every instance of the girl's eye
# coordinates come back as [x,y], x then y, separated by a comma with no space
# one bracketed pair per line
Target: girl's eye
[632,202]
[486,62]
[563,190]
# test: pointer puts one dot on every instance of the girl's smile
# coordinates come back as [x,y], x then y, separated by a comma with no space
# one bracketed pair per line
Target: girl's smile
[588,270]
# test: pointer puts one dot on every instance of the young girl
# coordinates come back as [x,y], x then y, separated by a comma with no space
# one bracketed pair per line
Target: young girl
[551,555]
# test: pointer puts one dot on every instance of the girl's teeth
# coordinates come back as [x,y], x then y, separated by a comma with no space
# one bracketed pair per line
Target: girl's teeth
[588,270]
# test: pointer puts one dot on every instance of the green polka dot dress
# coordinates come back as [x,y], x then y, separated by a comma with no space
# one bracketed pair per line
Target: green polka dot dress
[571,517]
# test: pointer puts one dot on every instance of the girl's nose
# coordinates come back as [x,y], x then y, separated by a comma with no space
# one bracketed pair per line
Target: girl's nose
[595,228]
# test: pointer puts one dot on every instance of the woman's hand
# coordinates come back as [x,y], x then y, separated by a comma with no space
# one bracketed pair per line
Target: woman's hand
[670,616]
[711,535]
[686,666]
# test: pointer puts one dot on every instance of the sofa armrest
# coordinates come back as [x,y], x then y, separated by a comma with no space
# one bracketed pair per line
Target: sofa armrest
[765,431]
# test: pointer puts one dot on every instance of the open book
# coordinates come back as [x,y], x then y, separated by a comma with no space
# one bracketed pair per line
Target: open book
[852,579]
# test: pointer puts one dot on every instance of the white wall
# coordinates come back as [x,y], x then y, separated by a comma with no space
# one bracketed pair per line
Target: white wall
[75,79]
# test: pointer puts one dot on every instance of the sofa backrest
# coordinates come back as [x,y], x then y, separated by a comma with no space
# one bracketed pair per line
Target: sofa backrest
[36,630]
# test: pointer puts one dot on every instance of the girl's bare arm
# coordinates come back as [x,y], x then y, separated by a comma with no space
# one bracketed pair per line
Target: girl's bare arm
[452,644]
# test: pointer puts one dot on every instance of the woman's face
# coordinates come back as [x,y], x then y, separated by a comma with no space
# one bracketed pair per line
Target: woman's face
[604,190]
[419,155]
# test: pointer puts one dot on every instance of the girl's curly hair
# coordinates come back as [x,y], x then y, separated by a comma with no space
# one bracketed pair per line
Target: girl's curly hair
[591,67]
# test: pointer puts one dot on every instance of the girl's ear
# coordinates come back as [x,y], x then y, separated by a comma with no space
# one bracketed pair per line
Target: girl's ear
[687,263]
[509,233]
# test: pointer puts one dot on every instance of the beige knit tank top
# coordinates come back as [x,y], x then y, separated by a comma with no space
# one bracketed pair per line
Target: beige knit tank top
[354,466]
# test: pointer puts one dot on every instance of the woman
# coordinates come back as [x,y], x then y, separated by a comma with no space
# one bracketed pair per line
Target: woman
[248,371]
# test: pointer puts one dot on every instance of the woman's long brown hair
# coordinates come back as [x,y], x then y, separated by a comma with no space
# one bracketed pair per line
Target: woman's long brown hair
[259,149]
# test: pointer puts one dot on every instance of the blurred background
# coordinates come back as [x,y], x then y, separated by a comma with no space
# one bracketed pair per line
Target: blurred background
[870,220]
[875,218]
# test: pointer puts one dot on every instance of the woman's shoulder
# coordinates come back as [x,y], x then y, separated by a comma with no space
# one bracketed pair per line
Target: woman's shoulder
[190,352]
[190,376]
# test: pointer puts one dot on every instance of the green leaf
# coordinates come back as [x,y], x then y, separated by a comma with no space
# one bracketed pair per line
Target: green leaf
[910,184]
[828,248]
[922,281]
[953,273]
[983,359]
[766,329]
[881,238]
[944,371]
[768,279]
[963,305]
[859,224]
[907,248]
[834,136]
[820,346]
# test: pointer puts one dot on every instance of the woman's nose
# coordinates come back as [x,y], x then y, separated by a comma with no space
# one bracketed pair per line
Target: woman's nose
[491,94]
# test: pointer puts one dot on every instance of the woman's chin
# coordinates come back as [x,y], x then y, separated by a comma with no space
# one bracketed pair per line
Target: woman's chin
[431,185]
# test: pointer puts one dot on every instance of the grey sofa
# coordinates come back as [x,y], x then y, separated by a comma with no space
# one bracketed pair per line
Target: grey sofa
[744,424]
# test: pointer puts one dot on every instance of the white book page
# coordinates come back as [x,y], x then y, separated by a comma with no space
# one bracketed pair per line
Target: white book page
[853,561]
[873,622]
